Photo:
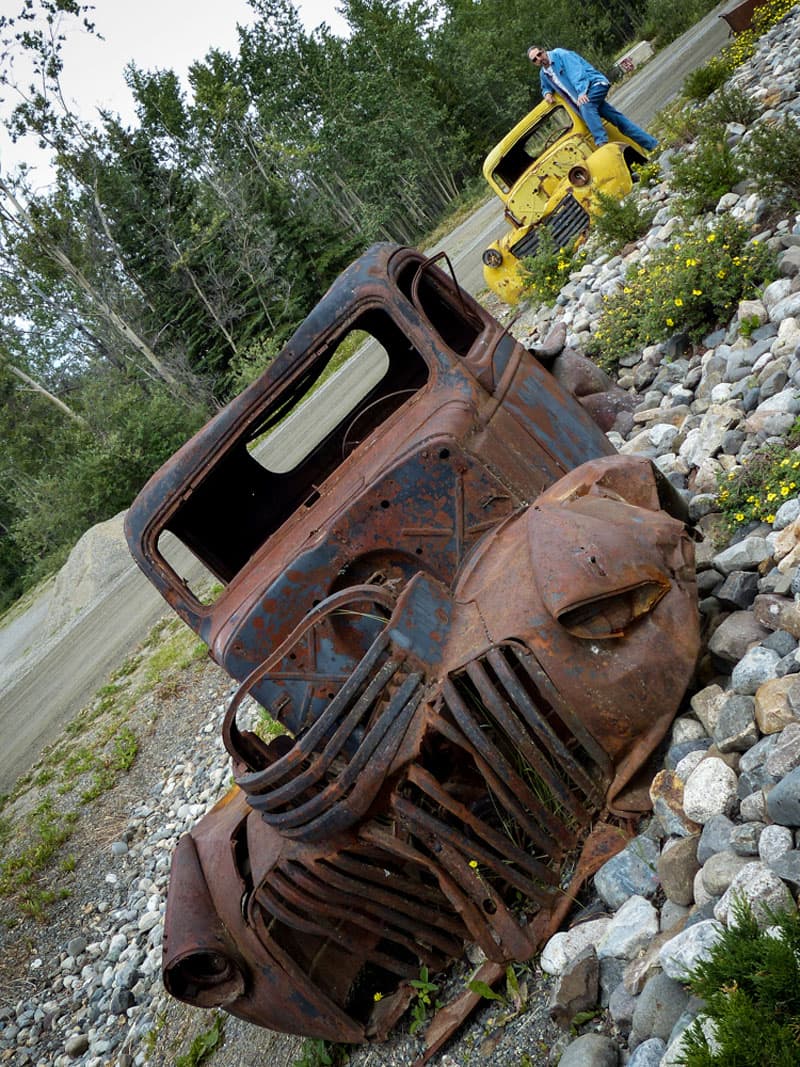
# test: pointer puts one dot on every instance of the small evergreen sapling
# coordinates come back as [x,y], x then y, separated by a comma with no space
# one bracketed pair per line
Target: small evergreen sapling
[751,986]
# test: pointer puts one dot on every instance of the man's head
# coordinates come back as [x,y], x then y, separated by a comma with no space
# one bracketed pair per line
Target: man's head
[537,55]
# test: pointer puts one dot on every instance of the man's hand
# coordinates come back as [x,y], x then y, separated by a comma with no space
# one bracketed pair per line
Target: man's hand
[583,98]
[549,98]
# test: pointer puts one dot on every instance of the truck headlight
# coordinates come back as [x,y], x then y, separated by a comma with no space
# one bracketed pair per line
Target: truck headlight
[579,176]
[492,258]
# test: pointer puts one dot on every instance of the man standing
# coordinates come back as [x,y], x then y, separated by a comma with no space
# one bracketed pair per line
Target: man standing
[585,89]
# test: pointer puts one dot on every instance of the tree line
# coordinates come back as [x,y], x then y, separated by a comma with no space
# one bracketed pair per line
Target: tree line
[170,258]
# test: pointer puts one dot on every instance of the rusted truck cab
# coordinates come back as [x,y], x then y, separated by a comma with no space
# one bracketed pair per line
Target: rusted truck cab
[435,573]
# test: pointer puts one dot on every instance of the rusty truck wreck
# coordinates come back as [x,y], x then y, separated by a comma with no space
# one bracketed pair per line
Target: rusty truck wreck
[447,587]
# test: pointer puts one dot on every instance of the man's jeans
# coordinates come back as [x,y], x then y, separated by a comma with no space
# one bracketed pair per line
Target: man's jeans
[598,107]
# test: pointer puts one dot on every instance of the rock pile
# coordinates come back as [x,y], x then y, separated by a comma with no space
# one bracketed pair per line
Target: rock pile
[726,820]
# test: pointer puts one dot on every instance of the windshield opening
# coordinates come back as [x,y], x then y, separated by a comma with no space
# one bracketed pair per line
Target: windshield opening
[527,149]
[299,438]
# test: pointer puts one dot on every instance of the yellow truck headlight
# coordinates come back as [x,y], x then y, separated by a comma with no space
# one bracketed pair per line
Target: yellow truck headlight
[492,257]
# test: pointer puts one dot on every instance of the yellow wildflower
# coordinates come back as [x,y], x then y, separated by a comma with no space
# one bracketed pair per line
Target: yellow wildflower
[678,302]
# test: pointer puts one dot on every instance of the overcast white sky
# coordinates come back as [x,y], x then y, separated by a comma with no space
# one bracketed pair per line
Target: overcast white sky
[160,33]
[154,34]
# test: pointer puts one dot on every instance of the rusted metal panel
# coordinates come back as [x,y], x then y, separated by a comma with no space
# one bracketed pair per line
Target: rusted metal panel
[740,17]
[453,600]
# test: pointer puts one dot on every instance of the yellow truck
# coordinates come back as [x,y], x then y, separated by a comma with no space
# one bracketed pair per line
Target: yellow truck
[546,171]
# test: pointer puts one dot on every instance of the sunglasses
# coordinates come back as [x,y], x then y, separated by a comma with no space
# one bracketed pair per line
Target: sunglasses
[536,57]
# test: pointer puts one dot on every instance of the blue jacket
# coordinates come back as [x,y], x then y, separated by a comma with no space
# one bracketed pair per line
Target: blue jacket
[573,71]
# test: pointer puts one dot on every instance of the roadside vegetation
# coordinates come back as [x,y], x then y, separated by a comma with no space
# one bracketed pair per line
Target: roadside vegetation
[695,284]
[200,329]
[547,270]
[753,493]
[96,750]
[688,287]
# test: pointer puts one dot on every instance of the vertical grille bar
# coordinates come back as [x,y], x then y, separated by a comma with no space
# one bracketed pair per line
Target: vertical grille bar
[515,731]
[540,726]
[554,835]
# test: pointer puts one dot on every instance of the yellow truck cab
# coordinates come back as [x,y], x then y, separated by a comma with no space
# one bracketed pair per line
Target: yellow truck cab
[546,172]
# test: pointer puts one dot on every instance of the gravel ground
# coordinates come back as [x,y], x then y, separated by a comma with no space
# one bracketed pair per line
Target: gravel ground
[113,846]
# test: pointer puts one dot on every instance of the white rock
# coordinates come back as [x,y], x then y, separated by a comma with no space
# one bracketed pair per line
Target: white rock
[701,894]
[775,292]
[774,841]
[566,944]
[758,886]
[149,920]
[710,790]
[789,307]
[726,202]
[788,338]
[680,954]
[688,764]
[750,309]
[630,930]
[685,728]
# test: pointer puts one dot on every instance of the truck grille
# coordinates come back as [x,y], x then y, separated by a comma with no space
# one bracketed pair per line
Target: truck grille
[534,784]
[567,222]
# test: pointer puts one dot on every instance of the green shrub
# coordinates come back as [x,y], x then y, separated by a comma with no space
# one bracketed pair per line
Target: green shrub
[677,124]
[249,363]
[691,286]
[729,105]
[621,221]
[204,1045]
[548,270]
[773,158]
[319,1053]
[700,83]
[755,491]
[647,174]
[751,988]
[704,176]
